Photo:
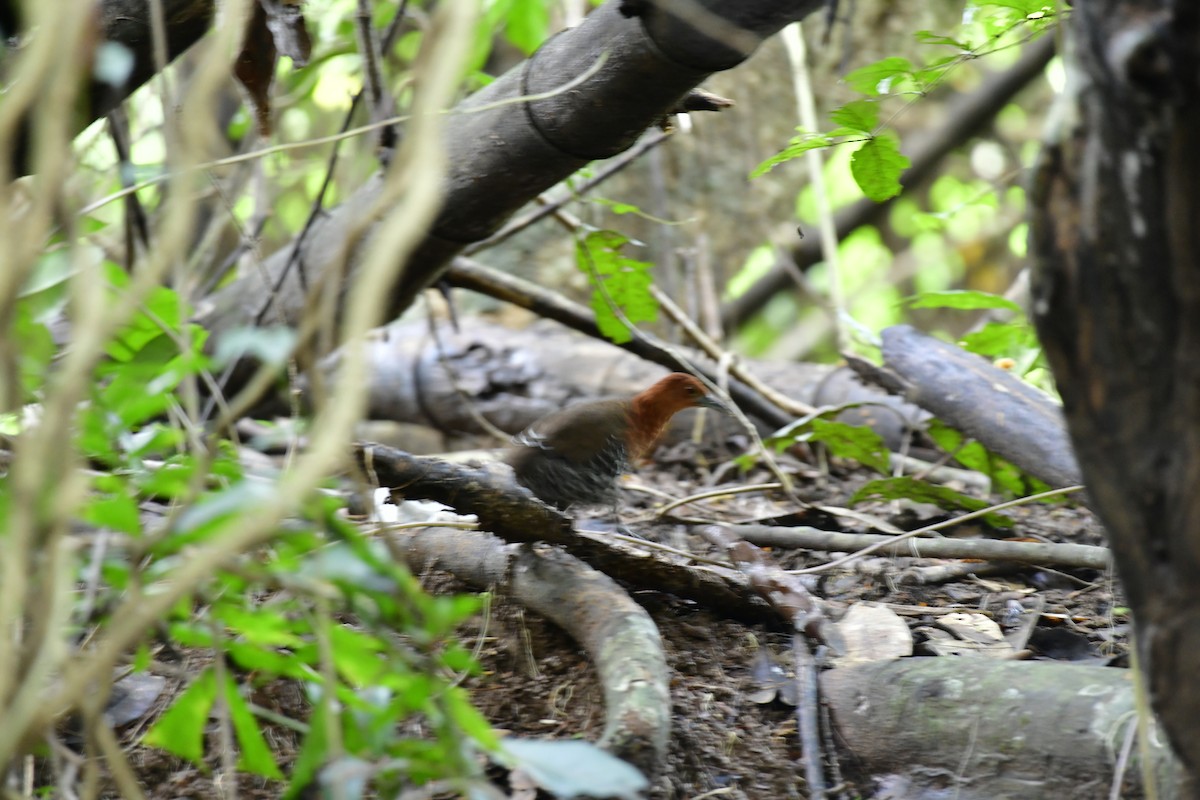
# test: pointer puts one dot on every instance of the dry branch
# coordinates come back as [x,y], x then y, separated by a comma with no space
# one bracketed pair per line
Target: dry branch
[513,514]
[1078,556]
[513,377]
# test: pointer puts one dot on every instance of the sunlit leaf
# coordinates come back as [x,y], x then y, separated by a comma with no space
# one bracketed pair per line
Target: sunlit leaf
[929,37]
[860,115]
[877,165]
[528,24]
[878,78]
[625,281]
[961,299]
[998,339]
[260,625]
[798,146]
[356,655]
[118,512]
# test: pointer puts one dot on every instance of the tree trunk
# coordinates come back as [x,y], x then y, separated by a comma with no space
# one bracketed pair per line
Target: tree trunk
[1115,237]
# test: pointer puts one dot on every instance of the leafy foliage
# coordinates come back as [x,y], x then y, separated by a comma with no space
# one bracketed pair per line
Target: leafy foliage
[908,488]
[619,283]
[856,442]
[363,680]
[1006,477]
[1014,339]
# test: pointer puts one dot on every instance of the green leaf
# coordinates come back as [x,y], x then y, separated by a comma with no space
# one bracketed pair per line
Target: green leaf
[1006,477]
[880,77]
[929,37]
[356,655]
[860,115]
[907,488]
[45,292]
[272,662]
[962,299]
[181,729]
[256,756]
[798,146]
[118,512]
[444,614]
[856,442]
[164,312]
[34,352]
[618,207]
[1025,7]
[217,507]
[573,769]
[876,167]
[1000,338]
[169,481]
[626,282]
[261,625]
[343,564]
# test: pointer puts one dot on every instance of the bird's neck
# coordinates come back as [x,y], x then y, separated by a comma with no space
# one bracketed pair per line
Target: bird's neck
[648,418]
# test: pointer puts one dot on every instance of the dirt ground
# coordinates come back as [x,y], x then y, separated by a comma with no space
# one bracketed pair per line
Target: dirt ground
[729,739]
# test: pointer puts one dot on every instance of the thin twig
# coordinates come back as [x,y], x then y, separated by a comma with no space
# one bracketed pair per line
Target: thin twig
[718,353]
[471,274]
[793,40]
[1033,498]
[807,717]
[337,137]
[611,167]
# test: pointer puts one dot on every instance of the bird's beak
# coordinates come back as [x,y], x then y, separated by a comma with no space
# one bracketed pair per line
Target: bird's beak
[713,402]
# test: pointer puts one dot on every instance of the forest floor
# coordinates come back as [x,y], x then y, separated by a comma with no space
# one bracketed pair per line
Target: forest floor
[729,738]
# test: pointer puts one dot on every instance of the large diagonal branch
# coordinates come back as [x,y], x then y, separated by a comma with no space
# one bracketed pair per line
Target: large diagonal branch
[624,74]
[126,23]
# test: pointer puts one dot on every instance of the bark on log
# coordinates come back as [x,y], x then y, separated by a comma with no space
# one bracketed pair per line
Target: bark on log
[1010,417]
[1115,236]
[513,377]
[980,729]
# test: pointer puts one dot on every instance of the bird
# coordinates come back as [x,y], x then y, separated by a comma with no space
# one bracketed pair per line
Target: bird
[572,457]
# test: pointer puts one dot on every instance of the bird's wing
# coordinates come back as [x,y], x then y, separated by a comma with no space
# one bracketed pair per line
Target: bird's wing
[585,427]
